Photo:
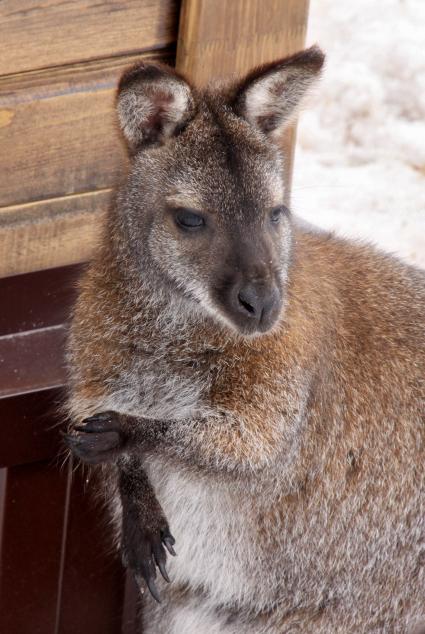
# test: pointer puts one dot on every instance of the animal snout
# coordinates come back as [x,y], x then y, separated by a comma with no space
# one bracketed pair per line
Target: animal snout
[257,302]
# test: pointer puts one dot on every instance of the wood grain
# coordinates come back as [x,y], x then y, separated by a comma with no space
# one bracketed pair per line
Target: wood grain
[222,38]
[43,33]
[58,131]
[50,233]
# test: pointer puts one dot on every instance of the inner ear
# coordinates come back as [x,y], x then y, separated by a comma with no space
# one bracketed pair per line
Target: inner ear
[154,103]
[269,96]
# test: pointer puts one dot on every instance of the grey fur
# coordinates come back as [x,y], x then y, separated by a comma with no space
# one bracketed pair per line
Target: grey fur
[293,474]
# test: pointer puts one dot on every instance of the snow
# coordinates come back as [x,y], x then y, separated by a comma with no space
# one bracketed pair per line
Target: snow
[360,157]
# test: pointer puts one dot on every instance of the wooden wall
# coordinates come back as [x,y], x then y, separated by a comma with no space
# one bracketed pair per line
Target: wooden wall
[61,155]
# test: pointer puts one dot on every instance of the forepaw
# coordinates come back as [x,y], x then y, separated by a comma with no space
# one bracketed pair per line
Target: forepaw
[144,550]
[97,439]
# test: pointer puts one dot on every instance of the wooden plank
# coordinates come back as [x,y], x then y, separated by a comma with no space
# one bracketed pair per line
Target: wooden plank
[33,330]
[50,233]
[44,33]
[59,137]
[221,38]
[30,428]
[92,578]
[34,504]
[32,361]
[37,300]
[58,131]
[3,488]
[35,309]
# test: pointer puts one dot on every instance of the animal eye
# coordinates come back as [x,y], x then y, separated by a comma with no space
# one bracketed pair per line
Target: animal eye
[277,212]
[188,220]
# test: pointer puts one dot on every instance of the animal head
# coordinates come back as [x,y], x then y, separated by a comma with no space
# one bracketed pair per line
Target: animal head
[203,208]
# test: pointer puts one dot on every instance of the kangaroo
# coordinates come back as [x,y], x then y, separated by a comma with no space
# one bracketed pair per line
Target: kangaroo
[251,387]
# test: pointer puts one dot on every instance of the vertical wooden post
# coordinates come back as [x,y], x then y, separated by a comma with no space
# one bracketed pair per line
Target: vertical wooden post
[218,38]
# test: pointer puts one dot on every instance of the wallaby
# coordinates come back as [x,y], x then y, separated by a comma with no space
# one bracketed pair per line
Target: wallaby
[256,384]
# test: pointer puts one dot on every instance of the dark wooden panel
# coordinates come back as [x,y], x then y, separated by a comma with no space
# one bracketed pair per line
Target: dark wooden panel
[3,483]
[38,34]
[37,300]
[32,361]
[31,548]
[35,308]
[92,586]
[30,428]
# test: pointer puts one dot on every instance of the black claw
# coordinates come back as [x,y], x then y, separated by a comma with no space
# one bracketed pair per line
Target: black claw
[168,543]
[160,559]
[147,571]
[152,569]
[141,581]
[163,571]
[153,589]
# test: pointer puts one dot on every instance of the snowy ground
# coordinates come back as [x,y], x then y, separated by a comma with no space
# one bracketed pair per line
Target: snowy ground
[360,158]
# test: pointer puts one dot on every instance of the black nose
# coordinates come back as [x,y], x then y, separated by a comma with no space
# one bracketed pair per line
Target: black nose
[249,301]
[257,302]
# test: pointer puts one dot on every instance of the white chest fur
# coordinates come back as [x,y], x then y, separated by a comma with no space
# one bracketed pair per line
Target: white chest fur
[215,530]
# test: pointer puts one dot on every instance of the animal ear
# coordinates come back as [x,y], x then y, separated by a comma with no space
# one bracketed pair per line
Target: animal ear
[268,97]
[154,103]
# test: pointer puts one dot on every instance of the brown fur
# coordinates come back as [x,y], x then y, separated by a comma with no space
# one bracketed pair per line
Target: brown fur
[299,471]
